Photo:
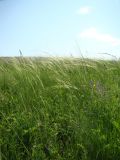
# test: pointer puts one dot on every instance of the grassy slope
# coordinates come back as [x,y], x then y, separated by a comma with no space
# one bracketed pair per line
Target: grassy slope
[59,109]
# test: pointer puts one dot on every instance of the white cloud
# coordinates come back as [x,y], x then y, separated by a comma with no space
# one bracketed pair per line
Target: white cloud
[92,33]
[84,10]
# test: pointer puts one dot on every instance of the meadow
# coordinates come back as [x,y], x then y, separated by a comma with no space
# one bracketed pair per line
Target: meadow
[59,109]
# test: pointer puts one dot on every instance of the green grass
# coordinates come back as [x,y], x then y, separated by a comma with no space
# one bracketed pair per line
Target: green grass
[59,109]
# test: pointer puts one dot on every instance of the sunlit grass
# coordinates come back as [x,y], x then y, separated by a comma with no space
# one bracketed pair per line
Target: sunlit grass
[59,109]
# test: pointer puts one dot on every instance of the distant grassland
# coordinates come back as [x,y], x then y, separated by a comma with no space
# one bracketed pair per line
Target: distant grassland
[59,109]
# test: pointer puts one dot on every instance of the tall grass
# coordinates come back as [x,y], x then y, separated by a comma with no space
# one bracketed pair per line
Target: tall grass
[59,109]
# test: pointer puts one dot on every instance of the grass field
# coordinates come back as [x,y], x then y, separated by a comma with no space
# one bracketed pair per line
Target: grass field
[59,109]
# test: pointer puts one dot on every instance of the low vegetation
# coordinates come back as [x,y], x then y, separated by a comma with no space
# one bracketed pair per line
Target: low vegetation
[59,109]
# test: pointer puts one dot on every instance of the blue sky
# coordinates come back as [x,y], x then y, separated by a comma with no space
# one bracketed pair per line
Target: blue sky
[60,27]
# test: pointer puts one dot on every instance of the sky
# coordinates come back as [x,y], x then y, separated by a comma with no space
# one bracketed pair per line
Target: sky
[88,28]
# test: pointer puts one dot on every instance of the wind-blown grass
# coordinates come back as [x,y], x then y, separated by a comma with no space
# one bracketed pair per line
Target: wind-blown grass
[59,109]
